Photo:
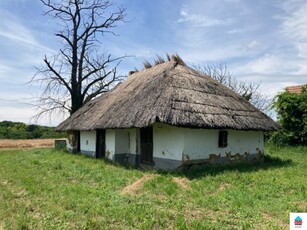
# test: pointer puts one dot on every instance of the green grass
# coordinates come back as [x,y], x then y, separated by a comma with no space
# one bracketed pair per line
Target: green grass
[49,189]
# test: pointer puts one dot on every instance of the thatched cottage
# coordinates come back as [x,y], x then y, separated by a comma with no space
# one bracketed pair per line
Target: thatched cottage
[167,116]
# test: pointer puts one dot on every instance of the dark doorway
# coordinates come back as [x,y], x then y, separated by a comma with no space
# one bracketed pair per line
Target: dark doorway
[146,145]
[100,143]
[78,142]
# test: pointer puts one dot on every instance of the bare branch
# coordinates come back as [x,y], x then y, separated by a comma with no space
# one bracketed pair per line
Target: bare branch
[58,76]
[250,91]
[76,74]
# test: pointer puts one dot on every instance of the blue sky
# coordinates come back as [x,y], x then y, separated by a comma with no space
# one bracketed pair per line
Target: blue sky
[261,41]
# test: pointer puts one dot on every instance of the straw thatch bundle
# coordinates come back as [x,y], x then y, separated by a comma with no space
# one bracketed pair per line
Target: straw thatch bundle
[171,93]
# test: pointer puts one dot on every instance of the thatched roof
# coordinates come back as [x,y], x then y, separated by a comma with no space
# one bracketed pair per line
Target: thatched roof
[170,93]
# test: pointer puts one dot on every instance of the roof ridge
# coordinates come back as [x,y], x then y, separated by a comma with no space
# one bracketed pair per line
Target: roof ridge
[160,60]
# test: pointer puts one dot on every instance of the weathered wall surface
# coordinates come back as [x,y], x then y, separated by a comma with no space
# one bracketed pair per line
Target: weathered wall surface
[121,145]
[125,145]
[88,143]
[203,144]
[72,142]
[110,144]
[174,146]
[168,143]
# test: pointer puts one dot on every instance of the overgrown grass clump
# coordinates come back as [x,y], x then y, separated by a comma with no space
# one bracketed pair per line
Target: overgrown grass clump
[49,189]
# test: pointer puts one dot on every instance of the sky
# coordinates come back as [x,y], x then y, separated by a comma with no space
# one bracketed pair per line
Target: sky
[263,41]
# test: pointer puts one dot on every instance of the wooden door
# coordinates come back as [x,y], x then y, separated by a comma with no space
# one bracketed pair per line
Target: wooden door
[146,145]
[100,143]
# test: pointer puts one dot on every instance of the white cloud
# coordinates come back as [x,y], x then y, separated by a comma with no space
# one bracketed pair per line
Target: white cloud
[20,52]
[294,28]
[253,45]
[271,64]
[4,69]
[12,29]
[199,20]
[295,25]
[266,64]
[302,49]
[235,31]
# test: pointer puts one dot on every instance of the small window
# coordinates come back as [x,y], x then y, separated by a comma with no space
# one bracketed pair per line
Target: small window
[223,139]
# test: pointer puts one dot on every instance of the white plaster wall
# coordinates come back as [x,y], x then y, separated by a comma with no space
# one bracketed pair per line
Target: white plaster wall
[110,143]
[200,143]
[88,141]
[168,141]
[120,141]
[133,141]
[245,141]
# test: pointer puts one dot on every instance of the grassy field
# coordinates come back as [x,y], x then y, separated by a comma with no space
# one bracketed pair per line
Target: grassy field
[48,189]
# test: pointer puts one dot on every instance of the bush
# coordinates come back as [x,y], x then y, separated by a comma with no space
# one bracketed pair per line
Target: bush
[291,111]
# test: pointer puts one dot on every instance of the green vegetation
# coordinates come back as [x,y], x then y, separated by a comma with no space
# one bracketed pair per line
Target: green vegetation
[49,189]
[291,109]
[18,130]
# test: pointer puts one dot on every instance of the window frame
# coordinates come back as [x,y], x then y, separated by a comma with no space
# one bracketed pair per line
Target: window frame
[223,139]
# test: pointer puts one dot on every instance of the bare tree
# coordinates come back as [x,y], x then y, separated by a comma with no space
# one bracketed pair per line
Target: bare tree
[250,91]
[78,72]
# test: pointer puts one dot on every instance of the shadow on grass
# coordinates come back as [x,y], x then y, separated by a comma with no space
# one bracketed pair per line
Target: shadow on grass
[198,171]
[193,172]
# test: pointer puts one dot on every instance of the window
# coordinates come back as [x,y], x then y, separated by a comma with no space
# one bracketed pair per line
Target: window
[223,139]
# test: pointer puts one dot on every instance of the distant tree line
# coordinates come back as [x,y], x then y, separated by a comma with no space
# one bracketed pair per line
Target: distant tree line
[19,130]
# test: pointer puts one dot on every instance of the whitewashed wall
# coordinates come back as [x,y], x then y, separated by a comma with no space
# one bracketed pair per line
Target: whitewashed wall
[168,141]
[178,143]
[200,143]
[174,143]
[133,140]
[88,142]
[110,143]
[120,141]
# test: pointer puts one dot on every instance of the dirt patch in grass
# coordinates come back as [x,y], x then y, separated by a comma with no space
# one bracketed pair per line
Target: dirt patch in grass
[192,213]
[32,143]
[137,185]
[195,214]
[267,217]
[16,191]
[270,218]
[182,182]
[301,204]
[224,186]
